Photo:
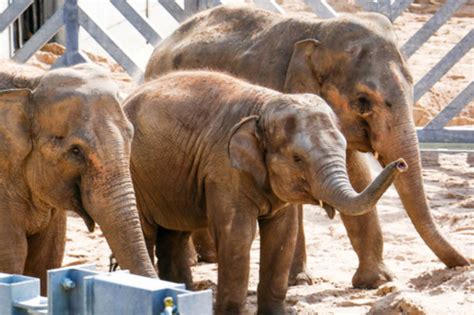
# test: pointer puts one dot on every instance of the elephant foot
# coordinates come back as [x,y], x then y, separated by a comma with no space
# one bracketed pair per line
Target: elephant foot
[371,277]
[302,278]
[274,310]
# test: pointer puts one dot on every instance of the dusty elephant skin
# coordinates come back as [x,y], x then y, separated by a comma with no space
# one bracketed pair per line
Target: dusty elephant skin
[353,63]
[213,151]
[65,145]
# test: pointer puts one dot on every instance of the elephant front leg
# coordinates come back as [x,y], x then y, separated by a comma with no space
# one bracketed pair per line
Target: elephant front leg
[46,248]
[298,273]
[364,231]
[277,245]
[13,246]
[232,225]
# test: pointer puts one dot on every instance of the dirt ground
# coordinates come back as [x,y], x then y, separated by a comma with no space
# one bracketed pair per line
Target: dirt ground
[422,285]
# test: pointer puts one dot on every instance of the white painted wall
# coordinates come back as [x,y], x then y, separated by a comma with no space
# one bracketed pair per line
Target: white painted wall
[5,36]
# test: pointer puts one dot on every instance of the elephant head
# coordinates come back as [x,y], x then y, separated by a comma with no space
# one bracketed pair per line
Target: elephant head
[374,104]
[68,143]
[300,153]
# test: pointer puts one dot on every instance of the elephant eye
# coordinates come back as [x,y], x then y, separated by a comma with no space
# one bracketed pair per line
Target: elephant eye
[297,159]
[76,151]
[364,105]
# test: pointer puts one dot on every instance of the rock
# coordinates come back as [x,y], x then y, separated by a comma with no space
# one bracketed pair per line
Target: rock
[396,304]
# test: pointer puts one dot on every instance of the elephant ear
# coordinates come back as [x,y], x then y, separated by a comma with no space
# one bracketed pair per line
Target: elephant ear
[301,75]
[15,141]
[245,152]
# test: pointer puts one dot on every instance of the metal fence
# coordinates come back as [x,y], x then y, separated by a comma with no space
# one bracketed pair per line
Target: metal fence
[72,17]
[81,290]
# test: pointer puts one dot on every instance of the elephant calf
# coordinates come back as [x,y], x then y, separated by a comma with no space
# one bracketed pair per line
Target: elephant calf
[212,151]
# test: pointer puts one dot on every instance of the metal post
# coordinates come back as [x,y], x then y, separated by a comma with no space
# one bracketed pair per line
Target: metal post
[71,21]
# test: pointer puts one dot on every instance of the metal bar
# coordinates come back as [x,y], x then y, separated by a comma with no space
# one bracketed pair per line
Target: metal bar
[443,66]
[174,9]
[72,55]
[398,6]
[137,21]
[44,34]
[269,5]
[445,135]
[321,8]
[452,109]
[367,5]
[384,7]
[191,7]
[13,12]
[428,29]
[110,46]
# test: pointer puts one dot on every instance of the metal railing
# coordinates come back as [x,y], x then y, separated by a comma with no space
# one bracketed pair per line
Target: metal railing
[72,16]
[81,290]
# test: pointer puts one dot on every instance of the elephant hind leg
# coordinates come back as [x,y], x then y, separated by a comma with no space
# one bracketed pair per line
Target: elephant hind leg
[46,248]
[205,248]
[173,257]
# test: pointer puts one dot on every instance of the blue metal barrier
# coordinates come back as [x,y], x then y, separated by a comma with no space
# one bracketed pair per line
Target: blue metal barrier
[81,290]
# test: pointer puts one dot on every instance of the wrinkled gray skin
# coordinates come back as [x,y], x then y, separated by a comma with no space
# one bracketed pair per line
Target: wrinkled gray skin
[213,151]
[354,64]
[65,145]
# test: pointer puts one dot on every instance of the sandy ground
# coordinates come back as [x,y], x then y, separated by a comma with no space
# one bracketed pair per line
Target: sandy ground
[423,285]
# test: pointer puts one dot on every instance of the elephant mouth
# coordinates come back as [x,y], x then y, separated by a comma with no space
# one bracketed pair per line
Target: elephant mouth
[330,211]
[78,208]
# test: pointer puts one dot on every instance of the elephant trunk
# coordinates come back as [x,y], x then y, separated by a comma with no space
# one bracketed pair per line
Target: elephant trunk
[338,192]
[110,200]
[410,188]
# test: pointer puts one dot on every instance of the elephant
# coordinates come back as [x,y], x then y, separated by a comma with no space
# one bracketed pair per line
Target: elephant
[65,145]
[353,63]
[19,76]
[213,151]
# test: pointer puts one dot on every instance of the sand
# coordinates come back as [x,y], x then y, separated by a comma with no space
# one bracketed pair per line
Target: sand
[423,285]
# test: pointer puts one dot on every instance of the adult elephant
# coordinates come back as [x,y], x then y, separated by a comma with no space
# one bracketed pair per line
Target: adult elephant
[352,62]
[66,145]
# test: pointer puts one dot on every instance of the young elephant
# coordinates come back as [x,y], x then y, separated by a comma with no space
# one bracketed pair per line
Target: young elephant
[354,64]
[212,151]
[65,145]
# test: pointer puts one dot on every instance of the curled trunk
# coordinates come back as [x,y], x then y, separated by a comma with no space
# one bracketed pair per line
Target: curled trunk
[339,193]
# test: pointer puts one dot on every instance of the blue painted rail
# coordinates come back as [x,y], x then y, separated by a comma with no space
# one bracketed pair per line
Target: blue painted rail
[81,290]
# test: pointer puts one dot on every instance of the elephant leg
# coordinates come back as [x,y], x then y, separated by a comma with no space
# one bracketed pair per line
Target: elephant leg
[364,231]
[46,248]
[232,224]
[205,248]
[150,231]
[13,247]
[171,251]
[298,273]
[277,245]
